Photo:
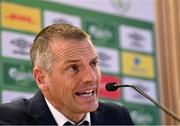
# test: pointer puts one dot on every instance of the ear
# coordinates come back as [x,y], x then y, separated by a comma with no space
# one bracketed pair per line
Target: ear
[41,78]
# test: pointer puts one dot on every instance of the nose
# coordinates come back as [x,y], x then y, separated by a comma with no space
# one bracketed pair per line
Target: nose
[90,75]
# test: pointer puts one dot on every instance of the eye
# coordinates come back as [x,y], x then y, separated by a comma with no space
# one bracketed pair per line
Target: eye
[73,68]
[94,63]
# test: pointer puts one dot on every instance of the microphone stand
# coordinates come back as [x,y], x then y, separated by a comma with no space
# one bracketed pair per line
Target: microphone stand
[165,109]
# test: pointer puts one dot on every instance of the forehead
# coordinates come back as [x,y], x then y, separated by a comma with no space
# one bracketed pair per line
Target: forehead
[67,50]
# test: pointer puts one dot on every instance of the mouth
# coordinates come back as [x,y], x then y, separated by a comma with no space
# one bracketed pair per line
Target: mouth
[86,93]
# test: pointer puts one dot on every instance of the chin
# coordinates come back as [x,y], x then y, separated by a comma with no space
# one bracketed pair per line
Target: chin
[92,107]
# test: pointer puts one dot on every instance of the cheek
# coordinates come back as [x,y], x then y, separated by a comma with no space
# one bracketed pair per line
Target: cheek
[98,74]
[56,85]
[60,92]
[73,78]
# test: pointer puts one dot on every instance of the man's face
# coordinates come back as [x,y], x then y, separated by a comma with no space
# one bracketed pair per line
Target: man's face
[74,81]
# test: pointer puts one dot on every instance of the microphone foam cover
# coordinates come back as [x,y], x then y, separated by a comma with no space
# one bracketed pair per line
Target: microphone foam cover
[110,86]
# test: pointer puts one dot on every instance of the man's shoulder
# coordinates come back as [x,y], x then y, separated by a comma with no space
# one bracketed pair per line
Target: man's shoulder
[26,111]
[109,106]
[14,105]
[112,114]
[13,111]
[19,106]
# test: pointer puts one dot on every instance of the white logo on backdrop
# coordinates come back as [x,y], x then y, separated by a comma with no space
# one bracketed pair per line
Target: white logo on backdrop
[51,17]
[9,96]
[132,95]
[100,33]
[16,45]
[109,59]
[135,9]
[135,39]
[17,75]
[122,6]
[141,118]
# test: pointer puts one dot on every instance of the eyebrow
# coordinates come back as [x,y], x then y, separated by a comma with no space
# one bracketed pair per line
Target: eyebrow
[71,61]
[96,58]
[77,60]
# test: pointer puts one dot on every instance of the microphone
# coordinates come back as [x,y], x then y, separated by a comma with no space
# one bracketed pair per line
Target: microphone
[113,86]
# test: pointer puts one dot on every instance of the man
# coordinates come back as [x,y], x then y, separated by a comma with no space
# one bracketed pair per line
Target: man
[65,68]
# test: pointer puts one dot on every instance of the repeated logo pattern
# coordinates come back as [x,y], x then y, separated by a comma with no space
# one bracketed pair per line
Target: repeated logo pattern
[125,48]
[13,16]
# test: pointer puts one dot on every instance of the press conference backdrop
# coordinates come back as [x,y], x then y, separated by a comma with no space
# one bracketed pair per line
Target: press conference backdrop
[123,34]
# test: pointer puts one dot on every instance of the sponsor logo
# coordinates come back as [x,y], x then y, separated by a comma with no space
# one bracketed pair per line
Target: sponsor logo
[122,6]
[136,39]
[141,118]
[115,95]
[24,18]
[139,65]
[104,58]
[21,18]
[102,33]
[145,85]
[22,46]
[109,59]
[142,87]
[16,45]
[143,114]
[52,17]
[17,75]
[61,20]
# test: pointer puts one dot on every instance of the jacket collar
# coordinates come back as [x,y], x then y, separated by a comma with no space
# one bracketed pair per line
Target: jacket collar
[41,114]
[97,116]
[39,110]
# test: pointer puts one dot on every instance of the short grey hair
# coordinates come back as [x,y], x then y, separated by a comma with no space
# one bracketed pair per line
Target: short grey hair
[40,52]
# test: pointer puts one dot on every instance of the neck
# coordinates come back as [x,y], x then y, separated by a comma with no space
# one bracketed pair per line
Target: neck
[70,114]
[76,118]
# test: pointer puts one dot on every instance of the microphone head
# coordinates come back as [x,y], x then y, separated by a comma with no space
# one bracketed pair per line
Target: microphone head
[111,86]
